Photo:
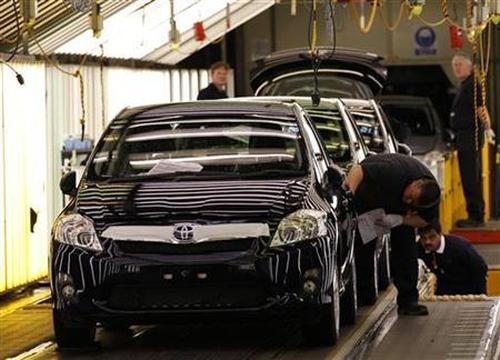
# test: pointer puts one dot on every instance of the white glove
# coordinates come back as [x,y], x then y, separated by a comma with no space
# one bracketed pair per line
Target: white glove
[490,136]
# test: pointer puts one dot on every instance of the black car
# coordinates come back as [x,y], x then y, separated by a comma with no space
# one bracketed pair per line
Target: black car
[353,75]
[415,122]
[201,210]
[349,73]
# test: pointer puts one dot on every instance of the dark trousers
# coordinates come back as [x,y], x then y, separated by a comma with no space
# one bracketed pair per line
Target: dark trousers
[404,265]
[469,161]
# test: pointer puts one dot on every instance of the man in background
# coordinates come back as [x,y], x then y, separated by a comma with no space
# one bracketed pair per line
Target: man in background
[217,88]
[469,138]
[459,269]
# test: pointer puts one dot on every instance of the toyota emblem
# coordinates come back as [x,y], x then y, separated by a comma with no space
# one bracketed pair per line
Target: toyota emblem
[184,232]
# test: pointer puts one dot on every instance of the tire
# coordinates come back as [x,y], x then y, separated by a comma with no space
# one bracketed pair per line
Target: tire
[70,333]
[384,267]
[368,279]
[326,329]
[349,299]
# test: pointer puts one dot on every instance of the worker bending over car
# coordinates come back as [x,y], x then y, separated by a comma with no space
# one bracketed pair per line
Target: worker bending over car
[407,191]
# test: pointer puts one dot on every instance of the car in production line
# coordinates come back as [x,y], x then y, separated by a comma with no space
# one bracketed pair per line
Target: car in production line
[204,210]
[336,122]
[354,77]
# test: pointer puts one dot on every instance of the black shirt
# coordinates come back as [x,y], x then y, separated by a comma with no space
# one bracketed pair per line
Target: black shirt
[459,269]
[462,115]
[211,93]
[385,177]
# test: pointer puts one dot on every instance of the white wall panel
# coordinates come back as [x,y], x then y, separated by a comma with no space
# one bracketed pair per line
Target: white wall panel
[24,169]
[133,87]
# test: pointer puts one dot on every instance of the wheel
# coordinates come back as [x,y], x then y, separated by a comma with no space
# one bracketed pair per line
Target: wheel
[349,299]
[384,267]
[70,333]
[326,329]
[368,275]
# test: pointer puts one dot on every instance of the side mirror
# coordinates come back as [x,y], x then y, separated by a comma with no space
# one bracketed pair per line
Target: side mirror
[404,149]
[68,183]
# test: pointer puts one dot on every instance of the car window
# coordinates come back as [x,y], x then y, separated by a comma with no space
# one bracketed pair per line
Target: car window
[330,86]
[200,147]
[369,127]
[413,124]
[332,130]
[416,118]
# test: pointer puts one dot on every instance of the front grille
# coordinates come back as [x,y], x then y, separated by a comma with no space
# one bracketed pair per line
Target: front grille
[143,247]
[192,296]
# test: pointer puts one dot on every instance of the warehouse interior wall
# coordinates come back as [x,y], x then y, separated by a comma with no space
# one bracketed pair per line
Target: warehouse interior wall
[25,220]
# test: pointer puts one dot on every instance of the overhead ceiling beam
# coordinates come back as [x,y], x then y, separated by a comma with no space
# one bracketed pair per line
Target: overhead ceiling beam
[215,27]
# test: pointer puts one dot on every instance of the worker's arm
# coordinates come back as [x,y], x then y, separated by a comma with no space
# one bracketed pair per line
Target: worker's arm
[353,179]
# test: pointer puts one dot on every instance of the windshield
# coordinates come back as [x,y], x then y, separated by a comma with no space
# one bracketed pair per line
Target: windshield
[333,132]
[200,148]
[330,86]
[413,124]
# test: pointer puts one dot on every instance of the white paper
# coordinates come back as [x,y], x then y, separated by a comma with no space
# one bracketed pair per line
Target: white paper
[167,166]
[375,223]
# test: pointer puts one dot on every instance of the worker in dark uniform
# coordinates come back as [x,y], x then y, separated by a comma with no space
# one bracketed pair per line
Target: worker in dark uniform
[469,139]
[406,189]
[458,267]
[217,88]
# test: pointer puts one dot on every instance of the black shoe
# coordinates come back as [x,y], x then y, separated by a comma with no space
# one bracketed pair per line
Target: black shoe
[468,223]
[413,309]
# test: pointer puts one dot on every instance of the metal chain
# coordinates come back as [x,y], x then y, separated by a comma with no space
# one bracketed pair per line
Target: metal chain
[469,14]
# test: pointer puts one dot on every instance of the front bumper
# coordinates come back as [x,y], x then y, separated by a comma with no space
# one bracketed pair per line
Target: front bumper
[146,288]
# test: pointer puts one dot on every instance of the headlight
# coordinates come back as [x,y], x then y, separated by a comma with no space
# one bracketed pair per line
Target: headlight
[77,230]
[299,226]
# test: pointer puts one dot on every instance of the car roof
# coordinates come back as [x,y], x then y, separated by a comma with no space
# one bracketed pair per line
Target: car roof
[209,108]
[301,100]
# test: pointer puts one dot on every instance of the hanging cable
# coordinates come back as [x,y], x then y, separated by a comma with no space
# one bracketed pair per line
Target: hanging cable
[360,20]
[398,20]
[19,77]
[315,60]
[333,28]
[101,76]
[77,73]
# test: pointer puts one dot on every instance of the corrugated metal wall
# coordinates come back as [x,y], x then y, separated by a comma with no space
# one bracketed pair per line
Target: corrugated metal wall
[35,119]
[23,253]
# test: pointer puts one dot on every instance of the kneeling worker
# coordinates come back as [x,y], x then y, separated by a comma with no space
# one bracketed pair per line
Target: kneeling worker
[404,188]
[459,269]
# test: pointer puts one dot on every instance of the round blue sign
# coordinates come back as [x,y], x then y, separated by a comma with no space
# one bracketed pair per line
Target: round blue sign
[425,37]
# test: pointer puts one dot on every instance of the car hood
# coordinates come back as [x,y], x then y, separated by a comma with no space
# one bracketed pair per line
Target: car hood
[364,66]
[206,202]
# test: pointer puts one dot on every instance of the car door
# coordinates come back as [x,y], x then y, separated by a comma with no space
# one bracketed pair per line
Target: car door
[340,205]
